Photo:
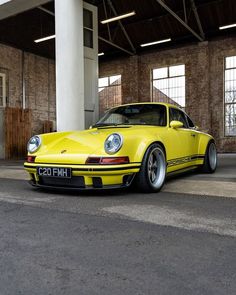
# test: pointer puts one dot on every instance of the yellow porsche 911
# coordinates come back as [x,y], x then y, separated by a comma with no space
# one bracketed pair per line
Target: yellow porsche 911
[140,142]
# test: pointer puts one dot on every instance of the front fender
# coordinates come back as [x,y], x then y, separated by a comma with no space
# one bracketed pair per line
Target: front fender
[136,147]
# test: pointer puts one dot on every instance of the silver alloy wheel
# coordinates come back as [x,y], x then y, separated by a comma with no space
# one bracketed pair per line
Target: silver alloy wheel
[212,155]
[156,167]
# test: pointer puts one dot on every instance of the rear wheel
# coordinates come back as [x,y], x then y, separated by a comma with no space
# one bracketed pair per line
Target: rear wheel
[153,170]
[210,160]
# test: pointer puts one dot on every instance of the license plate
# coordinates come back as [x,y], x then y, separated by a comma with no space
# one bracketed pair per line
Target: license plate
[54,172]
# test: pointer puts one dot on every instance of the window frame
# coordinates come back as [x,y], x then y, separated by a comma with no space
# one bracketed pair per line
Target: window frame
[224,98]
[185,116]
[110,86]
[4,90]
[85,28]
[189,119]
[169,77]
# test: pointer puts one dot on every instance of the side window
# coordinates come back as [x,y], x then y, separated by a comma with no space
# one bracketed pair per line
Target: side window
[190,122]
[177,115]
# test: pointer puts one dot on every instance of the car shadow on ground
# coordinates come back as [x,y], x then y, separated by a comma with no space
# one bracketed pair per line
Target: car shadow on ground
[119,192]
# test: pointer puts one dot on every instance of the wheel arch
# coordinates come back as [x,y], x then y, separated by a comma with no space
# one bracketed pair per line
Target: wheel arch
[204,142]
[209,166]
[142,178]
[150,144]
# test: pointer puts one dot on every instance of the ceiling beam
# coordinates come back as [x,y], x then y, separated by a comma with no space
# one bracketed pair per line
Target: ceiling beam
[197,18]
[185,12]
[46,10]
[180,20]
[108,25]
[100,38]
[158,17]
[115,45]
[14,7]
[121,26]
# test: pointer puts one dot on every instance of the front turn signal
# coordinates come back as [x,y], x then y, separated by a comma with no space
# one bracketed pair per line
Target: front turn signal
[31,159]
[107,160]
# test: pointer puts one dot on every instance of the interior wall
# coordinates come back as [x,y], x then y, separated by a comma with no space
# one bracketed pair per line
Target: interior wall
[128,68]
[204,64]
[204,70]
[40,90]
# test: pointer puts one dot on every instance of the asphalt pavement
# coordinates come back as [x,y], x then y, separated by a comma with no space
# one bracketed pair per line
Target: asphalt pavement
[179,241]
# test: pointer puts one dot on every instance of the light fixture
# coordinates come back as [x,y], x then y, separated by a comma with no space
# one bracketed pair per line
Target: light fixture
[101,53]
[105,21]
[227,27]
[45,38]
[155,42]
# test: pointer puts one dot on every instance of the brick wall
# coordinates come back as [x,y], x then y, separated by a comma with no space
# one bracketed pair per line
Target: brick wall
[128,68]
[40,87]
[204,66]
[204,69]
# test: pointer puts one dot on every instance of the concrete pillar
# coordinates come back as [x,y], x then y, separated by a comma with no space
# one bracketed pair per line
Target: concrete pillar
[69,65]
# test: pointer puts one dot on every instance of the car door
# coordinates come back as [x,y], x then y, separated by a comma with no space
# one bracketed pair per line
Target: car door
[183,141]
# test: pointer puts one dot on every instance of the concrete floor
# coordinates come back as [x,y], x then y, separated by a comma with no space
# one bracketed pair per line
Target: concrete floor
[179,241]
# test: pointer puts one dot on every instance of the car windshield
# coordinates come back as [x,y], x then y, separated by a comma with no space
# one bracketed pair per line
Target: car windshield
[140,114]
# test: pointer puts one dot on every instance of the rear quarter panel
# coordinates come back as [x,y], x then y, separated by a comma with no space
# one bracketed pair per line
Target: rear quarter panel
[204,139]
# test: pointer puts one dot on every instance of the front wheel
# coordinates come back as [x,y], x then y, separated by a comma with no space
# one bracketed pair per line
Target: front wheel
[152,174]
[210,160]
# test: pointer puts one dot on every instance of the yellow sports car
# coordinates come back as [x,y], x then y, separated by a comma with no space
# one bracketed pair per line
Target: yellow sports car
[140,142]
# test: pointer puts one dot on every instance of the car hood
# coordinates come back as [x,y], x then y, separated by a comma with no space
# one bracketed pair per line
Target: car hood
[76,146]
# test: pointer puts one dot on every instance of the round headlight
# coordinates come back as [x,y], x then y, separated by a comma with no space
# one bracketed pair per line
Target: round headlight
[34,144]
[113,143]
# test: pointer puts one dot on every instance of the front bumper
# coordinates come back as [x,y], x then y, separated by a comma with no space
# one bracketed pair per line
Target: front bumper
[85,176]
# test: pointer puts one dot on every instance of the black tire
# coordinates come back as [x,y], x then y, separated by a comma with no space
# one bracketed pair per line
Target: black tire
[152,174]
[210,160]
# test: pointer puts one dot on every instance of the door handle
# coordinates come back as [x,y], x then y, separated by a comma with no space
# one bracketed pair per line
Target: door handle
[192,134]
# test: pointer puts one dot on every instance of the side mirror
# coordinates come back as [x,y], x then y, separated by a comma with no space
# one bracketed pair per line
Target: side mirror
[176,124]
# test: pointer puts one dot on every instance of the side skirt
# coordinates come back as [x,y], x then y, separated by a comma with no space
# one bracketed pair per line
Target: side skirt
[181,171]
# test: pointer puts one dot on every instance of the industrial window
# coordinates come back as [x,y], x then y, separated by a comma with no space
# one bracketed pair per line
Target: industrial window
[2,90]
[88,28]
[110,94]
[230,96]
[168,85]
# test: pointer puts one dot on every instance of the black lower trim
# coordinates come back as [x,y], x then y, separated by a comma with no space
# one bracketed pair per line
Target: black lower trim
[182,171]
[78,183]
[86,188]
[75,181]
[88,169]
[183,160]
[198,157]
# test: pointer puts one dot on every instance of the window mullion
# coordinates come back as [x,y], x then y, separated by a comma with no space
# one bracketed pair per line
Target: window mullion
[230,96]
[165,91]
